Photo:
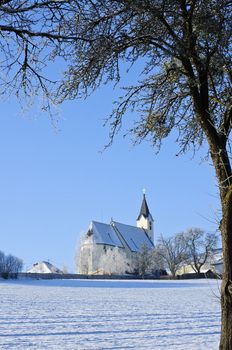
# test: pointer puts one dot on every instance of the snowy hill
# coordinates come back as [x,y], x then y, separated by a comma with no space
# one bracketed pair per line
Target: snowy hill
[44,267]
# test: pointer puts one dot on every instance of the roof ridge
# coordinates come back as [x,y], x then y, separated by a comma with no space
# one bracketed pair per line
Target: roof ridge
[120,223]
[99,222]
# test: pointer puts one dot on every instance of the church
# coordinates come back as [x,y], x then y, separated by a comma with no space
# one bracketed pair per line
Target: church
[112,248]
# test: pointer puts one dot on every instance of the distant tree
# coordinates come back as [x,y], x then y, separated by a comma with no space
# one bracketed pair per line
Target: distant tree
[9,264]
[65,269]
[114,261]
[13,264]
[158,264]
[199,247]
[144,260]
[83,255]
[2,262]
[172,252]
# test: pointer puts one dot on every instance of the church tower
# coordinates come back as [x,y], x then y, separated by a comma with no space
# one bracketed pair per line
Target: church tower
[145,219]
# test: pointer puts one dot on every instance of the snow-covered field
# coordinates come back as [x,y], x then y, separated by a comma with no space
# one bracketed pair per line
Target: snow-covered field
[105,315]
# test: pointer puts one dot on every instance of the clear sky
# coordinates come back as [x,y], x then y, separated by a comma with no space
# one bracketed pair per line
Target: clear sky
[54,181]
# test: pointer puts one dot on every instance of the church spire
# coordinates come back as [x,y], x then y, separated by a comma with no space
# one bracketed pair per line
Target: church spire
[144,211]
[145,219]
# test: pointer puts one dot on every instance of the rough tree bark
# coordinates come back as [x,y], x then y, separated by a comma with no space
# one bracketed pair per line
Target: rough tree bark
[226,288]
[223,172]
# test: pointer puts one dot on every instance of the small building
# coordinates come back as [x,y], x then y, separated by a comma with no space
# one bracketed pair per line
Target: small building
[44,267]
[112,248]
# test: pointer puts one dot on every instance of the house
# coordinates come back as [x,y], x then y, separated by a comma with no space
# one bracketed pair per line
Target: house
[112,248]
[44,267]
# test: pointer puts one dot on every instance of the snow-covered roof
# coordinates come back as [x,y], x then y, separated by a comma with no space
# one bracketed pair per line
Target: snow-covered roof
[105,234]
[44,267]
[119,235]
[135,237]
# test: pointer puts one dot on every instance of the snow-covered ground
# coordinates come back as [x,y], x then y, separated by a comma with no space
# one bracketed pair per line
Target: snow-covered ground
[107,315]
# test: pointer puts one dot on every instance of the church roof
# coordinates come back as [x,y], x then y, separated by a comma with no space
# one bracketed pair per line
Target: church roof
[144,211]
[105,234]
[135,237]
[120,235]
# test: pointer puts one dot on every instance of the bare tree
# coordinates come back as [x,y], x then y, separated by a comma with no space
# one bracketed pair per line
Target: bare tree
[13,264]
[199,247]
[10,264]
[158,264]
[185,84]
[114,261]
[2,262]
[65,269]
[144,261]
[172,252]
[83,254]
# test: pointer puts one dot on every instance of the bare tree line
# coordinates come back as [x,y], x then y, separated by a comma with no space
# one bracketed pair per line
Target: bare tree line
[193,247]
[9,264]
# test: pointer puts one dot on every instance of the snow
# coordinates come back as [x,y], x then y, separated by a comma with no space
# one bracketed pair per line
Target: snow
[44,267]
[108,314]
[135,237]
[105,234]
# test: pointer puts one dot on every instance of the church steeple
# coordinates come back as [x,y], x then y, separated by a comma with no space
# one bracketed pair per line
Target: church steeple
[144,211]
[145,219]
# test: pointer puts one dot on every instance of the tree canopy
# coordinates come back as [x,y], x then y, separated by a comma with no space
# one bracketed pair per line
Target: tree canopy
[32,33]
[186,48]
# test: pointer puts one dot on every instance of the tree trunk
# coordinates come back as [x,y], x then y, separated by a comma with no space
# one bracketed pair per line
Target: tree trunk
[226,288]
[224,175]
[217,141]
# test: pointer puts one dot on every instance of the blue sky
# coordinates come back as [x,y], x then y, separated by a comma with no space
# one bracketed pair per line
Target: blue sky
[54,181]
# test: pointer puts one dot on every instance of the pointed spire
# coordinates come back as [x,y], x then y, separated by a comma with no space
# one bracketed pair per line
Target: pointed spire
[144,211]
